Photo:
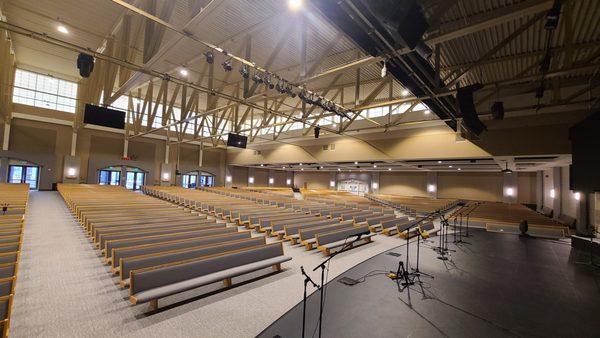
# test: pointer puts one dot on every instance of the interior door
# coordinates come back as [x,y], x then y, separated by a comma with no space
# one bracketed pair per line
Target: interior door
[24,174]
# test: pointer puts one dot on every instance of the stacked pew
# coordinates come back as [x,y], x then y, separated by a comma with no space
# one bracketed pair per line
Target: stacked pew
[158,249]
[13,201]
[415,206]
[505,217]
[325,226]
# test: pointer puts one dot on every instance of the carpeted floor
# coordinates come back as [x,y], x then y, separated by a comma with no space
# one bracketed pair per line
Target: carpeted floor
[64,290]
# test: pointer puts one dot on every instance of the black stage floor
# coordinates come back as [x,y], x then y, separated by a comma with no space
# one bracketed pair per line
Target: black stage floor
[497,285]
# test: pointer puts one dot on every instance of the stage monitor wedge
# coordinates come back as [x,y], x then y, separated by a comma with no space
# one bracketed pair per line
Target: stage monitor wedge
[105,117]
[236,140]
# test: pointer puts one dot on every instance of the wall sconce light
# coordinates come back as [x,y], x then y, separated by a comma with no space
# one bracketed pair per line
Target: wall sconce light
[577,196]
[251,180]
[288,181]
[71,172]
[375,185]
[431,188]
[552,193]
[271,180]
[332,184]
[228,179]
[166,176]
[510,192]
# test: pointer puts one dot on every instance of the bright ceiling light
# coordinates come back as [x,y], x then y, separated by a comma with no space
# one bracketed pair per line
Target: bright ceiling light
[339,169]
[183,72]
[459,169]
[63,29]
[427,112]
[374,165]
[355,162]
[405,92]
[449,166]
[295,4]
[439,162]
[389,169]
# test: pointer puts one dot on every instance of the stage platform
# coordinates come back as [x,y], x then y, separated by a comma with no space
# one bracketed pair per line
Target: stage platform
[495,285]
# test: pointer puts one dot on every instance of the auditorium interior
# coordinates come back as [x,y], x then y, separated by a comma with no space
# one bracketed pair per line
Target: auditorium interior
[299,168]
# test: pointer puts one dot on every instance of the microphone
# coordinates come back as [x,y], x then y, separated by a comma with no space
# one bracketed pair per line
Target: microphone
[359,235]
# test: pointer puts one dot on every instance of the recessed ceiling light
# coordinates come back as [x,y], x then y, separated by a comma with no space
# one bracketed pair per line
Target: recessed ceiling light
[183,72]
[355,162]
[439,162]
[374,165]
[63,29]
[321,167]
[300,163]
[262,165]
[389,169]
[459,169]
[302,169]
[449,166]
[339,169]
[405,92]
[295,4]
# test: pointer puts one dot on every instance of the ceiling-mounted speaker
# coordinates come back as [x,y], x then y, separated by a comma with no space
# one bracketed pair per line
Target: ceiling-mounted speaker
[85,64]
[466,108]
[498,110]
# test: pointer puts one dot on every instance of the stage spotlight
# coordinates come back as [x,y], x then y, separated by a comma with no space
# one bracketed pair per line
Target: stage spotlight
[227,65]
[295,4]
[257,79]
[209,56]
[245,72]
[317,131]
[267,81]
[280,87]
[85,64]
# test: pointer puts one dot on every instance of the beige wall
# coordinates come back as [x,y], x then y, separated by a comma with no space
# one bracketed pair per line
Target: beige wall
[261,177]
[239,176]
[316,180]
[526,187]
[473,186]
[408,184]
[46,144]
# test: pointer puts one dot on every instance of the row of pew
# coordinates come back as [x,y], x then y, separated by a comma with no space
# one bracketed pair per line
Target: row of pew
[414,206]
[157,249]
[13,199]
[325,226]
[505,217]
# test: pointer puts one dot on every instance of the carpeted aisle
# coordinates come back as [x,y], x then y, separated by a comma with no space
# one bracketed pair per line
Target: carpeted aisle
[64,290]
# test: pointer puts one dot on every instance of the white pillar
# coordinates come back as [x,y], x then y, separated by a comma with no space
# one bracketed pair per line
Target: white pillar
[375,183]
[432,184]
[509,188]
[167,151]
[73,143]
[556,185]
[126,147]
[200,156]
[6,136]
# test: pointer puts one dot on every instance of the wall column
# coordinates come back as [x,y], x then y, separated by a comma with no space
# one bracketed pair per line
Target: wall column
[71,169]
[581,213]
[166,174]
[6,136]
[375,183]
[3,169]
[251,177]
[228,177]
[333,180]
[539,190]
[556,185]
[73,143]
[432,184]
[509,188]
[271,179]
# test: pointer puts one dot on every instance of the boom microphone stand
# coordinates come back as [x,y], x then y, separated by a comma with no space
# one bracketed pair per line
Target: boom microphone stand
[307,279]
[322,267]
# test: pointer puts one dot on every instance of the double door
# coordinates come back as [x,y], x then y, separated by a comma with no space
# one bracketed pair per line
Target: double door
[24,174]
[134,180]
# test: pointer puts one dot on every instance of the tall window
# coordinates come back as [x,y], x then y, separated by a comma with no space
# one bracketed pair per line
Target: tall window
[44,91]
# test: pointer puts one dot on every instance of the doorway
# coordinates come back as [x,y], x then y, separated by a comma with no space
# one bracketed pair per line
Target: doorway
[28,174]
[134,180]
[109,177]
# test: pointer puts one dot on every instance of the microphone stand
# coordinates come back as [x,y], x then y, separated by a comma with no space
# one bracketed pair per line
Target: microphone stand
[322,267]
[307,279]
